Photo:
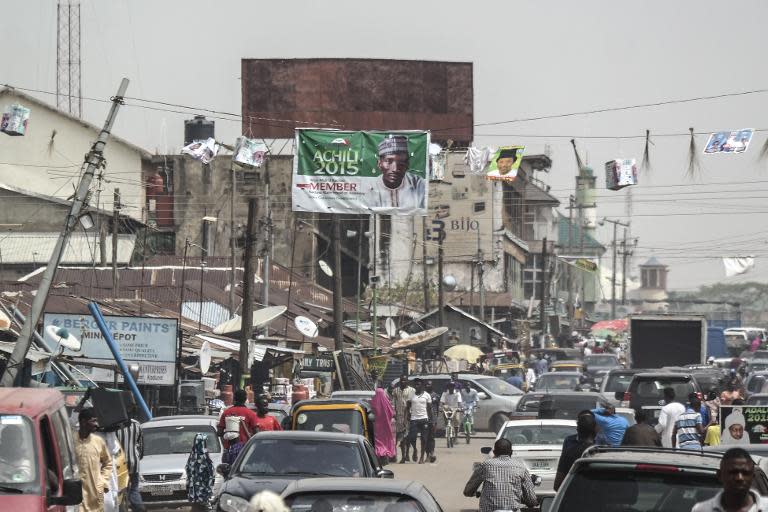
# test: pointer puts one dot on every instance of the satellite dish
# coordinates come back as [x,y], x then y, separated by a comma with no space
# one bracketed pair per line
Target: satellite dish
[325,268]
[260,318]
[306,326]
[390,327]
[63,338]
[205,357]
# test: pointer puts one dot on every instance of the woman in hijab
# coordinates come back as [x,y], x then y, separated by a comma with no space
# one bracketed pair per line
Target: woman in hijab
[735,431]
[385,441]
[200,475]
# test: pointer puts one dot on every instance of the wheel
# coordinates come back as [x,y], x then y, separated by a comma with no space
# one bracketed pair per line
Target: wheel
[467,431]
[449,436]
[497,422]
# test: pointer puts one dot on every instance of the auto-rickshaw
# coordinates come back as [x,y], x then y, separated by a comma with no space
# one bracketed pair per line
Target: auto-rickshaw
[567,366]
[334,415]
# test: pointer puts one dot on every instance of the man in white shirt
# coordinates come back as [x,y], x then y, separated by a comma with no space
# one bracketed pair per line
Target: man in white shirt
[420,414]
[396,188]
[737,470]
[668,417]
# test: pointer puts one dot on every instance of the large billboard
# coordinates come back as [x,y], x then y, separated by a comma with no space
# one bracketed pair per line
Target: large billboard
[361,172]
[150,342]
[279,95]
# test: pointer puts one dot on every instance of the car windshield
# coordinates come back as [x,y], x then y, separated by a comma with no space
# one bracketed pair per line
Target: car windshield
[352,501]
[547,434]
[346,421]
[654,388]
[164,440]
[18,467]
[709,380]
[498,386]
[566,407]
[601,360]
[639,491]
[302,457]
[618,382]
[557,381]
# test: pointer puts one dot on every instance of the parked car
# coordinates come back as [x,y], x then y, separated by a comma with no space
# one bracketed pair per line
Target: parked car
[648,388]
[758,399]
[641,479]
[559,381]
[597,365]
[538,443]
[272,460]
[615,384]
[497,398]
[168,441]
[708,378]
[755,382]
[757,365]
[562,405]
[46,478]
[312,494]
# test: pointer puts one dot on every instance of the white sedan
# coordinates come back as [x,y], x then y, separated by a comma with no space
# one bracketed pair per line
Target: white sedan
[539,444]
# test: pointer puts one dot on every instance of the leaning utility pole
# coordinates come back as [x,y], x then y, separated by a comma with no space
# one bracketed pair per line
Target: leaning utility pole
[94,160]
[115,231]
[338,313]
[249,290]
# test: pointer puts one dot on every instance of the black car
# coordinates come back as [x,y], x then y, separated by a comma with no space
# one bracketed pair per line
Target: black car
[708,378]
[272,460]
[560,405]
[597,365]
[648,388]
[616,382]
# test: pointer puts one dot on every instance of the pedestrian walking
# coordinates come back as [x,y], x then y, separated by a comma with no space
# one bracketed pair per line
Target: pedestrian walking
[506,481]
[586,430]
[265,422]
[611,425]
[737,469]
[236,425]
[668,416]
[419,410]
[200,474]
[382,426]
[689,426]
[132,441]
[400,397]
[93,461]
[433,427]
[642,432]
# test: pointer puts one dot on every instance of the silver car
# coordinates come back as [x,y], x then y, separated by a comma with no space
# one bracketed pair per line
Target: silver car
[167,444]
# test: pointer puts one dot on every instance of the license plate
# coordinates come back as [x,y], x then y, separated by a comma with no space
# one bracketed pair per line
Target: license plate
[161,490]
[539,464]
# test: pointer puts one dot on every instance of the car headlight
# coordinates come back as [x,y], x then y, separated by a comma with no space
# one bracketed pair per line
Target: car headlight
[229,503]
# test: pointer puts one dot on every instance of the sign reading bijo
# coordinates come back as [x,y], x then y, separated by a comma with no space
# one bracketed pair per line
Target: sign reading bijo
[361,172]
[148,341]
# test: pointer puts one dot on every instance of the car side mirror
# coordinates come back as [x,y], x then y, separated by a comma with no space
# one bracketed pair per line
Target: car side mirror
[546,503]
[385,473]
[223,469]
[482,395]
[71,494]
[619,395]
[485,450]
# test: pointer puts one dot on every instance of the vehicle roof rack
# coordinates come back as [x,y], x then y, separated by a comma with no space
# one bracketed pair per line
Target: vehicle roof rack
[595,449]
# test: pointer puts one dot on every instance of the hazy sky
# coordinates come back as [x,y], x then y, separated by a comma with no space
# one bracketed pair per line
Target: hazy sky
[530,58]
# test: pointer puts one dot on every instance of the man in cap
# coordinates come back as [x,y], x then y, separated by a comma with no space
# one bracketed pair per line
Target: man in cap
[505,164]
[397,188]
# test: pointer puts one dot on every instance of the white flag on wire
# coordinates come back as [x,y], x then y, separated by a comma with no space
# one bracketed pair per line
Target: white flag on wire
[737,266]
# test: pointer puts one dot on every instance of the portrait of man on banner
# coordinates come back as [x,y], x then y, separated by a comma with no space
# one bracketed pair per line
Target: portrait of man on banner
[396,187]
[736,141]
[505,163]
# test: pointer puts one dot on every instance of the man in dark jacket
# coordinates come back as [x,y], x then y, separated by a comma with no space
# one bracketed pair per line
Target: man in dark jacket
[642,433]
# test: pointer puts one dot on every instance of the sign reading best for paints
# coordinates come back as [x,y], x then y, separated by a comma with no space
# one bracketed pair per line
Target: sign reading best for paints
[149,341]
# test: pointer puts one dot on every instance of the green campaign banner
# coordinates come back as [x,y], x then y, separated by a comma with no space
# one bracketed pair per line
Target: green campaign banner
[361,172]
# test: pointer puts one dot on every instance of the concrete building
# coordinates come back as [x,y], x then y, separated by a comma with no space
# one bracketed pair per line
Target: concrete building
[652,295]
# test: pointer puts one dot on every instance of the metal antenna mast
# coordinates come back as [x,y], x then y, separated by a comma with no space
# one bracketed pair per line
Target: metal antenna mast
[69,94]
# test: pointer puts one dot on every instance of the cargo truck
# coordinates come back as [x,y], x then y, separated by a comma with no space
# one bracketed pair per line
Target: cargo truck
[658,340]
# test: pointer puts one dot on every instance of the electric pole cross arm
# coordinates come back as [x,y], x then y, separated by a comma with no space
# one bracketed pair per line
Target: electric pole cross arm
[94,160]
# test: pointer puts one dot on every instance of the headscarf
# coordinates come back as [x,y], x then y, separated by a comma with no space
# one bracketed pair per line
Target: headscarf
[735,418]
[200,475]
[384,440]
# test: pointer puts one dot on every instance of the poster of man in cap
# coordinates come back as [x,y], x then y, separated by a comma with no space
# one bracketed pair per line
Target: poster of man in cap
[743,424]
[505,163]
[361,172]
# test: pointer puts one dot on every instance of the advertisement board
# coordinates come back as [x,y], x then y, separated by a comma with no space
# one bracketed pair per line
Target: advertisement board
[150,342]
[743,424]
[505,163]
[620,173]
[736,141]
[361,172]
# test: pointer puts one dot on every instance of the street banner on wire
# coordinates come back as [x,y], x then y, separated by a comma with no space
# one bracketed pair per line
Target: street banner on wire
[361,172]
[620,173]
[505,163]
[149,341]
[736,141]
[743,424]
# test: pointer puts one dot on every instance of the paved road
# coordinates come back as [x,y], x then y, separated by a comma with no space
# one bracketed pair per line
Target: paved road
[447,476]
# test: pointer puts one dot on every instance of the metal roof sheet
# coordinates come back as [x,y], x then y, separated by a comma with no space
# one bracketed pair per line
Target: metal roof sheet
[26,248]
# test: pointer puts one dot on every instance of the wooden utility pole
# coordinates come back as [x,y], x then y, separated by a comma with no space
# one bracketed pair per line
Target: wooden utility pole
[480,282]
[266,247]
[249,290]
[440,291]
[425,280]
[232,244]
[616,224]
[338,313]
[543,288]
[94,160]
[115,231]
[570,306]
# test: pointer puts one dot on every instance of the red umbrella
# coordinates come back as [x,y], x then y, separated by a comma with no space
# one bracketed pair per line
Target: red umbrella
[620,325]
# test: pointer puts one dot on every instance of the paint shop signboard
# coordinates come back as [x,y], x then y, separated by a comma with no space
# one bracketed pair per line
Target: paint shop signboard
[147,341]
